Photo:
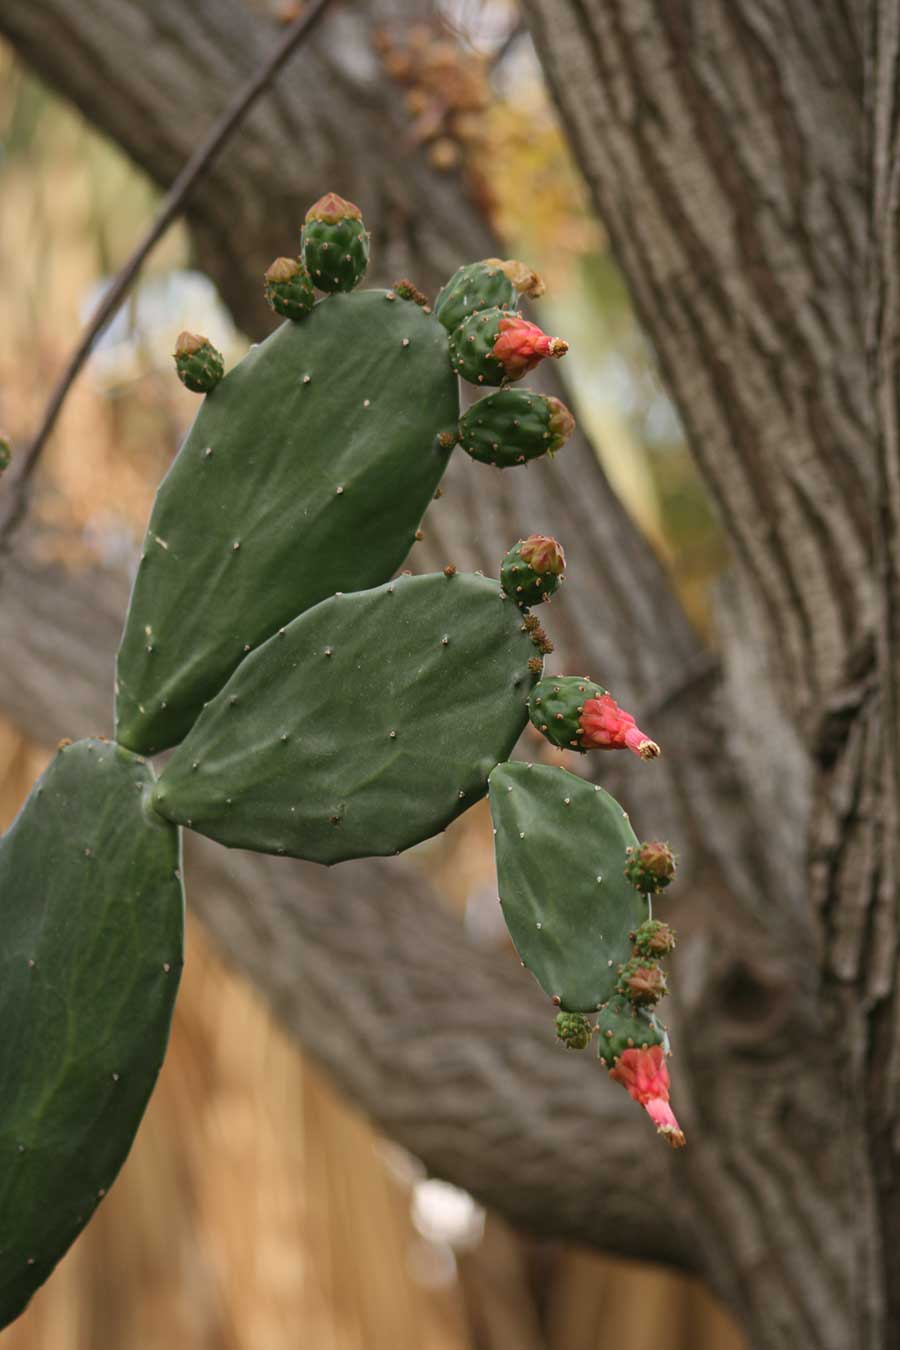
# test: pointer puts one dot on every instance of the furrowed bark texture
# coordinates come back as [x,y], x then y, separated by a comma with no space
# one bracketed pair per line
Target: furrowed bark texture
[743,233]
[743,157]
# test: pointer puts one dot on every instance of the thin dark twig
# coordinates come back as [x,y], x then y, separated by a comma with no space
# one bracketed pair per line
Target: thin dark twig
[171,207]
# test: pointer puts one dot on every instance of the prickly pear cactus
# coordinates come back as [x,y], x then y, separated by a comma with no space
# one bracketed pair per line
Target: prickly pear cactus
[493,283]
[306,473]
[329,713]
[514,426]
[367,725]
[91,927]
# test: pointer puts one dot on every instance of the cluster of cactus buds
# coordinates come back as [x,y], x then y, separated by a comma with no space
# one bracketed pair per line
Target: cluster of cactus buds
[576,714]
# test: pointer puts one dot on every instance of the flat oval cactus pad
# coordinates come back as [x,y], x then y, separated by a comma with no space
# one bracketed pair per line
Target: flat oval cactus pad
[91,938]
[560,844]
[367,725]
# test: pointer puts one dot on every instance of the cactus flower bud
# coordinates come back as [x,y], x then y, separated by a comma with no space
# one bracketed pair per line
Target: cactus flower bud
[606,726]
[334,243]
[331,208]
[562,424]
[288,288]
[573,1029]
[494,346]
[642,982]
[644,1075]
[543,554]
[198,364]
[650,867]
[521,345]
[653,938]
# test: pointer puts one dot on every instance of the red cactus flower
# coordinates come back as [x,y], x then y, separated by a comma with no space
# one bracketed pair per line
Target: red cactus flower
[521,345]
[605,726]
[645,1076]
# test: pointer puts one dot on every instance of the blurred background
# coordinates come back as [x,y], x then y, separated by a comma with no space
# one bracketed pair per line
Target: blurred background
[257,1210]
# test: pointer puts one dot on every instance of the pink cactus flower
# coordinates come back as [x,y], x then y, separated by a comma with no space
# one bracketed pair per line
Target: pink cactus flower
[645,1076]
[605,726]
[521,345]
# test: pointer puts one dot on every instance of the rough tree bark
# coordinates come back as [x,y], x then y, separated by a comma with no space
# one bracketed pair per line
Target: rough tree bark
[725,144]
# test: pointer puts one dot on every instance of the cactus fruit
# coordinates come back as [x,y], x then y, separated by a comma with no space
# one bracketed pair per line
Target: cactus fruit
[493,347]
[642,981]
[621,1026]
[643,1073]
[532,570]
[514,426]
[573,1030]
[493,283]
[307,473]
[198,364]
[5,454]
[570,911]
[335,244]
[367,725]
[288,288]
[577,714]
[91,917]
[650,867]
[653,939]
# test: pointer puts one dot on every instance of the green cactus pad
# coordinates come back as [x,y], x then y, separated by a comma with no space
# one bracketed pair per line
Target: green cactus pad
[289,291]
[366,726]
[622,1027]
[514,426]
[519,573]
[476,286]
[91,931]
[306,473]
[555,709]
[559,843]
[335,244]
[198,364]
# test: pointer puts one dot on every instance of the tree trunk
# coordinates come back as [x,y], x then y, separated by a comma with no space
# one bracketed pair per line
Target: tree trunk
[743,157]
[724,143]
